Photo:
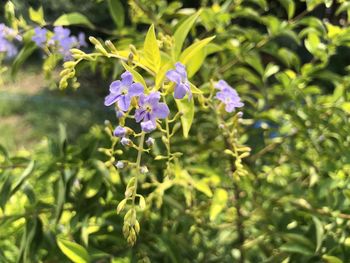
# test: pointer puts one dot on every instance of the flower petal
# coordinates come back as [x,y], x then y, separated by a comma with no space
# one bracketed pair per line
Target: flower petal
[111,99]
[148,126]
[127,78]
[124,102]
[161,111]
[173,76]
[153,98]
[119,131]
[181,70]
[180,91]
[139,114]
[136,89]
[222,84]
[115,87]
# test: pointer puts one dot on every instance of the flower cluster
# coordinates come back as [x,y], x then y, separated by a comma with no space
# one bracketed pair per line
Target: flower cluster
[147,105]
[228,96]
[7,35]
[61,40]
[148,108]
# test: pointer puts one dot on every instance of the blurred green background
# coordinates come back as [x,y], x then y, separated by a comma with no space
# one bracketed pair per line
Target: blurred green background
[288,60]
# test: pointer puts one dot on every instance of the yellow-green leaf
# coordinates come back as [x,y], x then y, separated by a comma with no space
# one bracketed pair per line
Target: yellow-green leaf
[73,251]
[331,259]
[37,16]
[182,32]
[74,18]
[187,108]
[218,204]
[204,188]
[192,50]
[151,49]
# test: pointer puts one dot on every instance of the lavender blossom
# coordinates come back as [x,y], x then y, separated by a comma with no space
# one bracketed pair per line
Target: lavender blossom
[119,131]
[7,35]
[150,109]
[122,91]
[228,96]
[179,76]
[40,37]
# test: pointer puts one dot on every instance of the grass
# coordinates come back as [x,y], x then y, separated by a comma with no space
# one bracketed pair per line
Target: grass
[29,110]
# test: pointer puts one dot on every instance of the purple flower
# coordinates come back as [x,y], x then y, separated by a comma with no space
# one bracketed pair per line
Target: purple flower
[179,76]
[228,96]
[122,91]
[150,110]
[8,48]
[119,131]
[60,33]
[81,40]
[7,35]
[63,41]
[39,36]
[148,126]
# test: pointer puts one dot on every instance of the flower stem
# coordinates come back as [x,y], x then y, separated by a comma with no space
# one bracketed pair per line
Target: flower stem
[138,165]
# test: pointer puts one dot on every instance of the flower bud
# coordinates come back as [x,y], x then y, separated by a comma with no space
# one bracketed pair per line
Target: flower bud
[120,165]
[144,170]
[150,141]
[125,141]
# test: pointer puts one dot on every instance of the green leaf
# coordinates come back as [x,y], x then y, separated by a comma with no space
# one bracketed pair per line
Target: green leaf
[74,18]
[73,251]
[29,169]
[289,6]
[312,4]
[137,76]
[296,248]
[37,16]
[343,7]
[197,60]
[151,49]
[22,56]
[93,185]
[116,10]
[192,50]
[5,192]
[204,188]
[312,42]
[331,259]
[270,70]
[187,108]
[319,233]
[182,32]
[218,204]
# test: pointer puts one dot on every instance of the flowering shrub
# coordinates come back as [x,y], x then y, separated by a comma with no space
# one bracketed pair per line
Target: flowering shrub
[227,142]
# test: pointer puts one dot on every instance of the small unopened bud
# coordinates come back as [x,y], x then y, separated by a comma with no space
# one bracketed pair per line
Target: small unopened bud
[150,142]
[240,114]
[107,122]
[120,165]
[125,141]
[110,45]
[119,113]
[144,170]
[133,49]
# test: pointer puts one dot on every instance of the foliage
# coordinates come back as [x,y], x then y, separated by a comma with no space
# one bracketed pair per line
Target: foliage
[284,197]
